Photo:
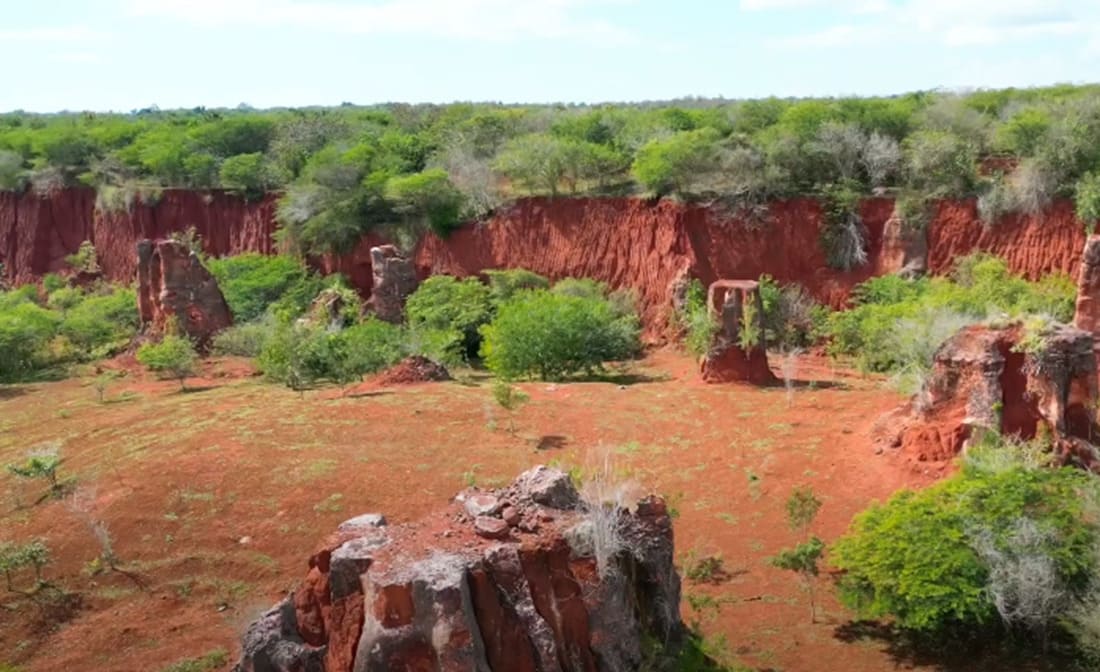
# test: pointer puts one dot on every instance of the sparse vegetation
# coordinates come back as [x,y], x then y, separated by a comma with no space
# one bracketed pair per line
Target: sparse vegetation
[510,399]
[173,357]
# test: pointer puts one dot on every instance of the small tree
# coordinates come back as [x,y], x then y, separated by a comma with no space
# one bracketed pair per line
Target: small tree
[802,508]
[14,557]
[42,463]
[174,357]
[84,260]
[101,382]
[1087,200]
[510,399]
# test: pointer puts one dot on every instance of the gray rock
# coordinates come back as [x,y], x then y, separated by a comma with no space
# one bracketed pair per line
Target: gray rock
[546,486]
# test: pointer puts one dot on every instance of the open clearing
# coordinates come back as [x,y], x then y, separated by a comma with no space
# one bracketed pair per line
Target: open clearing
[182,479]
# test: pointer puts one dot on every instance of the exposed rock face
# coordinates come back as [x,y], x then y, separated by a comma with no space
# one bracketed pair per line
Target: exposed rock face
[983,379]
[172,282]
[737,355]
[1087,316]
[462,591]
[904,248]
[394,280]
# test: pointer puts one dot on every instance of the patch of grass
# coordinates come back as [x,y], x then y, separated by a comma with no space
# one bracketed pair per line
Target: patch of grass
[214,660]
[318,469]
[330,504]
[699,568]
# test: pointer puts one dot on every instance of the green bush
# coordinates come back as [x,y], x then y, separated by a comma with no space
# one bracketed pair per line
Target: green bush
[25,332]
[1087,200]
[443,303]
[253,283]
[673,164]
[302,355]
[555,335]
[507,283]
[247,173]
[245,339]
[427,201]
[101,323]
[174,357]
[696,321]
[891,312]
[917,558]
[792,318]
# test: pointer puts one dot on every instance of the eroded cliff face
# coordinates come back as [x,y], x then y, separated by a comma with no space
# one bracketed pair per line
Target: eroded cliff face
[647,246]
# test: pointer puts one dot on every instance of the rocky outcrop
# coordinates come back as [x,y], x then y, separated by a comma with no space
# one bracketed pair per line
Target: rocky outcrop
[173,284]
[394,279]
[904,248]
[737,353]
[1005,380]
[502,580]
[1087,315]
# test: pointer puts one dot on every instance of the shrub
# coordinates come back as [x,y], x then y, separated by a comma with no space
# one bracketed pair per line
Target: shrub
[42,463]
[301,355]
[915,559]
[444,303]
[290,356]
[1087,200]
[940,163]
[64,298]
[253,283]
[671,165]
[84,260]
[243,340]
[25,332]
[101,324]
[843,237]
[374,345]
[792,318]
[13,177]
[695,318]
[247,173]
[554,335]
[510,399]
[505,284]
[174,357]
[426,201]
[15,557]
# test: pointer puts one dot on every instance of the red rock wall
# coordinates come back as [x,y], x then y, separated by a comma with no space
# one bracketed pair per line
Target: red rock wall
[632,243]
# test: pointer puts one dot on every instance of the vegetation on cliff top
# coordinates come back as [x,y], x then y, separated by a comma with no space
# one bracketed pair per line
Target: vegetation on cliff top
[343,171]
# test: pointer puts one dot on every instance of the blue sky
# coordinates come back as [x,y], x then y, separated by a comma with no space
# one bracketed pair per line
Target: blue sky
[127,54]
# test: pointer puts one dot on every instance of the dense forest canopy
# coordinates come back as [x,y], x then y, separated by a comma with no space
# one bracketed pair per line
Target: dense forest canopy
[343,171]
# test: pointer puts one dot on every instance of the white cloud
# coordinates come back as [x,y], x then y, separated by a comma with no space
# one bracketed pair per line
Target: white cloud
[951,23]
[496,20]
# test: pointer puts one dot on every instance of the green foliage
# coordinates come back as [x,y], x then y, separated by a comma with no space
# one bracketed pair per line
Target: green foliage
[671,165]
[914,558]
[302,355]
[174,357]
[553,335]
[802,508]
[507,283]
[247,173]
[51,282]
[695,318]
[15,557]
[898,323]
[446,304]
[41,464]
[792,318]
[245,339]
[510,399]
[427,200]
[84,260]
[25,332]
[100,324]
[843,237]
[802,559]
[940,163]
[254,283]
[1087,200]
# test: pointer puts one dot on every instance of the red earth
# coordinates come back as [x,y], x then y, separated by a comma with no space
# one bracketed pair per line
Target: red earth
[215,497]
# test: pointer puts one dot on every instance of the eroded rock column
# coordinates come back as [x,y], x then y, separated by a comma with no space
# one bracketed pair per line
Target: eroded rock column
[738,352]
[173,283]
[394,279]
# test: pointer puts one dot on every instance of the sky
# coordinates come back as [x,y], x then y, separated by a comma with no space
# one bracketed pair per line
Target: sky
[130,54]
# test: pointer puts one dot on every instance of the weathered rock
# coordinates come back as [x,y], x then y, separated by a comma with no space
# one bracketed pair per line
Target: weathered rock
[737,353]
[173,283]
[985,378]
[480,503]
[394,279]
[412,598]
[1087,315]
[330,308]
[490,528]
[904,248]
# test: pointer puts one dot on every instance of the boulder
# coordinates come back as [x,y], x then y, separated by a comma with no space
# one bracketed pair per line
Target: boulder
[737,306]
[173,283]
[394,279]
[1000,379]
[457,592]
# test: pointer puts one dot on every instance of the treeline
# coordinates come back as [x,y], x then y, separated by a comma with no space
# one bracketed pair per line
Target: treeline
[346,170]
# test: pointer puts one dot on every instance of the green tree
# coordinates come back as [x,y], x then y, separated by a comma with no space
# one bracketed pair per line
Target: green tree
[174,357]
[426,200]
[446,304]
[673,164]
[553,335]
[802,508]
[247,173]
[510,399]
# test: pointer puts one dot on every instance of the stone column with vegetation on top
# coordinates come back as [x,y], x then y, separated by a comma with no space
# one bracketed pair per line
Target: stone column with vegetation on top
[738,351]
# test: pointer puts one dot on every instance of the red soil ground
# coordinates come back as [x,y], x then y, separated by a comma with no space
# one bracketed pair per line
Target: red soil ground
[215,497]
